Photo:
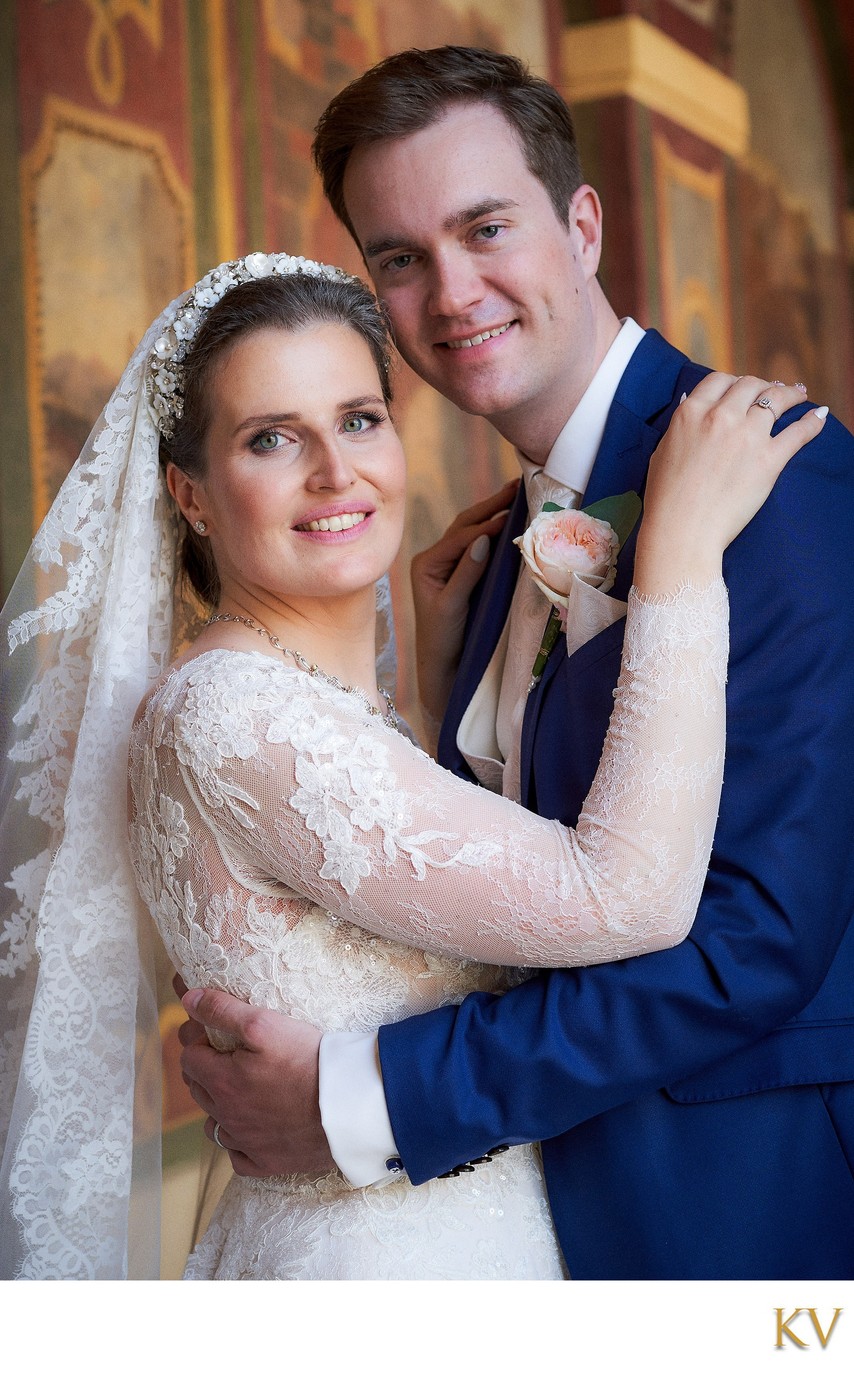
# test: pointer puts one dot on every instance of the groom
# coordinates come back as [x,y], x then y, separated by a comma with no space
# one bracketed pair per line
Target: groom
[696,1106]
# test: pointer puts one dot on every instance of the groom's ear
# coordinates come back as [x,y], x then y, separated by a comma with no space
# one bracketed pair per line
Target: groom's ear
[185,491]
[585,227]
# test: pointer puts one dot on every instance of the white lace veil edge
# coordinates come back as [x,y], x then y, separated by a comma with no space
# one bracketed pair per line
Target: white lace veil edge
[89,626]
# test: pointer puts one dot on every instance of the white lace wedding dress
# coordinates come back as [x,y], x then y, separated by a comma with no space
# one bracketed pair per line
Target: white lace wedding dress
[307,857]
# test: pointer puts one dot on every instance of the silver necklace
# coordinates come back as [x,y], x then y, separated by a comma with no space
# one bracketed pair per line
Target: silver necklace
[390,714]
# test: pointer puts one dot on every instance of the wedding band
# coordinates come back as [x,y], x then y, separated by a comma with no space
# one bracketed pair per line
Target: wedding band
[765,403]
[217,1139]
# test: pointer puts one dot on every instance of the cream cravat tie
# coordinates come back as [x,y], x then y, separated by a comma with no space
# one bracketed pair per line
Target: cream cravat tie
[529,613]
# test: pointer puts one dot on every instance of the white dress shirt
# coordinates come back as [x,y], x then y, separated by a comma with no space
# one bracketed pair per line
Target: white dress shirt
[352,1100]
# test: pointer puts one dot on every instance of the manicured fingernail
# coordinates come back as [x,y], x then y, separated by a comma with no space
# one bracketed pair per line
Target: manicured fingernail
[480,549]
[191,1000]
[683,398]
[821,412]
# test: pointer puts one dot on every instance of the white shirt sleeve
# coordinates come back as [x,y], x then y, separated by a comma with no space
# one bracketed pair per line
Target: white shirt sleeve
[353,1109]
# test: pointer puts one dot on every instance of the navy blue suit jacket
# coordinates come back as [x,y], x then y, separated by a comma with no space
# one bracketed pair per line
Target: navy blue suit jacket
[696,1105]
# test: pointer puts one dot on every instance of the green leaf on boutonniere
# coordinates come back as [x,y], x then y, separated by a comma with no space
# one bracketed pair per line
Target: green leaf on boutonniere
[552,507]
[621,513]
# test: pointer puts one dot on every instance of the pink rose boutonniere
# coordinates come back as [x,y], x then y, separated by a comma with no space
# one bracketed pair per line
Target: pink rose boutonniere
[562,547]
[561,543]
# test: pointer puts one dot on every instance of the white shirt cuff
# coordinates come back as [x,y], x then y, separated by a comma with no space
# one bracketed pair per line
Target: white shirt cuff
[353,1109]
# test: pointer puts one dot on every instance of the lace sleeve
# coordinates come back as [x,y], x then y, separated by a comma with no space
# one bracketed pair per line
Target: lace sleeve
[308,796]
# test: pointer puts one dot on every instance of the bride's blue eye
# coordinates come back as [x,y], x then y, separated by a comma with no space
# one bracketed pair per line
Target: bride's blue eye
[359,422]
[267,440]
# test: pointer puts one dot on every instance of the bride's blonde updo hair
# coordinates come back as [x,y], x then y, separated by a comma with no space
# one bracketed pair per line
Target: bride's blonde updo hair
[281,303]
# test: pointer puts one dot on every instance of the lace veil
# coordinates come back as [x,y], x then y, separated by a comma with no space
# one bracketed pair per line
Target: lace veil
[89,625]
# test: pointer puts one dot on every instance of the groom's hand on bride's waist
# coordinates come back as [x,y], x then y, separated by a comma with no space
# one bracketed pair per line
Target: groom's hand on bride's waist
[263,1095]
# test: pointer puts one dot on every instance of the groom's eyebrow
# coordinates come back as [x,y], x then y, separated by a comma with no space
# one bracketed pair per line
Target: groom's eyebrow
[461,218]
[457,220]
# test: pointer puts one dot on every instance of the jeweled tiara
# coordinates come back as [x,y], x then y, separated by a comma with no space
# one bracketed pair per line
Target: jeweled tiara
[165,382]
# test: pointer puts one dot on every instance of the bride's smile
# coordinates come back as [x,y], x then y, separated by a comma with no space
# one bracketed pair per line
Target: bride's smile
[333,520]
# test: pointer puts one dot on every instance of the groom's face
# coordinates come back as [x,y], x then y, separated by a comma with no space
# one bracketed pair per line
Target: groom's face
[488,290]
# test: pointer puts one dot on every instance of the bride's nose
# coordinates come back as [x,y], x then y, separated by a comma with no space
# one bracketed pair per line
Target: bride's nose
[331,466]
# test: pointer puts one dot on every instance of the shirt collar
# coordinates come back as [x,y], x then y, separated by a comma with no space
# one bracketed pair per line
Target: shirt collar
[573,453]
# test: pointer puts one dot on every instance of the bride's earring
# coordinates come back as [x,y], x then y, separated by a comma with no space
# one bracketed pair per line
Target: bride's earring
[200,526]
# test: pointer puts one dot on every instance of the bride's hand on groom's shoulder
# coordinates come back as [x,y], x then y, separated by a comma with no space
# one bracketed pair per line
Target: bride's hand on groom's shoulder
[714,468]
[264,1095]
[443,579]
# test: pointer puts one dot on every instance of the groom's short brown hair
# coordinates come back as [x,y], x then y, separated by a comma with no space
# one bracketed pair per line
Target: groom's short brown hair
[411,90]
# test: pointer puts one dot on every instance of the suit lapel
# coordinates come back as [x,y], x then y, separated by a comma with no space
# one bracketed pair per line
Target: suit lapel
[648,393]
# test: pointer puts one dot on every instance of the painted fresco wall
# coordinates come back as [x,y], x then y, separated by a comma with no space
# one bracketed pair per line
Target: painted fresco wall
[796,315]
[143,141]
[741,256]
[153,140]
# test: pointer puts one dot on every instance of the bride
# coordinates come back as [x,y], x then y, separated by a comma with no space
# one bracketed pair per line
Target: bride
[290,841]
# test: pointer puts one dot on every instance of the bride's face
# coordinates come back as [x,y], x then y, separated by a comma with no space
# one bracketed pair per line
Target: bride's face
[304,483]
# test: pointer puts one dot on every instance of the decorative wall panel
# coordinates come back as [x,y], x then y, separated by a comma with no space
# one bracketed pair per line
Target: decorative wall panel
[693,258]
[92,289]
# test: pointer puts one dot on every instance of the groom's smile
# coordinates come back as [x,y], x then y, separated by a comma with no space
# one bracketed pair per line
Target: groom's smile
[474,341]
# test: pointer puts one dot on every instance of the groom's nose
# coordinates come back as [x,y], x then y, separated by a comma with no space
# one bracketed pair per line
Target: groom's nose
[455,283]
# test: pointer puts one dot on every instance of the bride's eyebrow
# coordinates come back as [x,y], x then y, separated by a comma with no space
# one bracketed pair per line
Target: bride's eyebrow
[272,419]
[282,417]
[370,399]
